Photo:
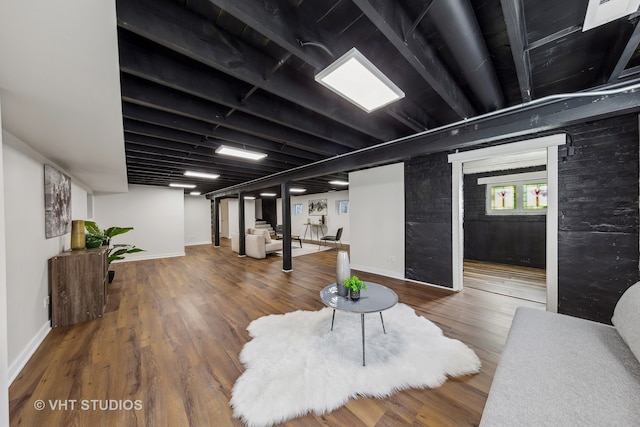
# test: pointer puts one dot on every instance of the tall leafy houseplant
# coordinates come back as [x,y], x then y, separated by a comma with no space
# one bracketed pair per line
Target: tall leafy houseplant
[116,252]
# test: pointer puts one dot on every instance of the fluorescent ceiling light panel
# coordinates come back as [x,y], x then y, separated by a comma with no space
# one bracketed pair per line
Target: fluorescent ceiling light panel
[238,152]
[195,193]
[268,194]
[357,80]
[249,198]
[298,190]
[201,175]
[338,182]
[600,12]
[174,184]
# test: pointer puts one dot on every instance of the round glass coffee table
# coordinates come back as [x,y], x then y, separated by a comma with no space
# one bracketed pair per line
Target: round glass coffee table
[376,298]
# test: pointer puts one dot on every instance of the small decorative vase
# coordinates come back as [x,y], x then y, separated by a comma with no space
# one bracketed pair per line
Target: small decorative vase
[343,272]
[77,235]
[354,295]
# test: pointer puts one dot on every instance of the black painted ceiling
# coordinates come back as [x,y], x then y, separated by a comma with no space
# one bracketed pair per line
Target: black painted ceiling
[196,74]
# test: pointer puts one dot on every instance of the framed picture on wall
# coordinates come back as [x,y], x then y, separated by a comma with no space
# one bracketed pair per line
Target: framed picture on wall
[57,202]
[318,207]
[297,209]
[342,206]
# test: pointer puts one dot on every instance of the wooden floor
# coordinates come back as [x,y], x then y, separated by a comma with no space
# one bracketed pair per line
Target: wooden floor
[519,282]
[174,328]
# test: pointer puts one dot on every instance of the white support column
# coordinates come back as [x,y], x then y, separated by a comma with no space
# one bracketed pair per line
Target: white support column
[457,219]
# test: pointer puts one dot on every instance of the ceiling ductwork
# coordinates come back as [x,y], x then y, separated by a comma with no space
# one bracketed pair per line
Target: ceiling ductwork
[467,47]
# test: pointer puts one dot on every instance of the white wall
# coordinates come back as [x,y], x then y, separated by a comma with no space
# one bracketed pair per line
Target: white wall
[333,221]
[197,220]
[4,339]
[249,214]
[27,261]
[377,220]
[155,213]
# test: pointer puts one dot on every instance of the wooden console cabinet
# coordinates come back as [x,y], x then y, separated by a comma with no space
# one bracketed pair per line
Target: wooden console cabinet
[78,285]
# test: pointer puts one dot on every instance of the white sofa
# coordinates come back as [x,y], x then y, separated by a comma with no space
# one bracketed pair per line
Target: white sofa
[558,370]
[257,243]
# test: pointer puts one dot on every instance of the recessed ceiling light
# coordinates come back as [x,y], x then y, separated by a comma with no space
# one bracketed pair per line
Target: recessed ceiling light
[268,194]
[298,190]
[600,12]
[195,193]
[201,175]
[338,182]
[174,184]
[355,78]
[238,152]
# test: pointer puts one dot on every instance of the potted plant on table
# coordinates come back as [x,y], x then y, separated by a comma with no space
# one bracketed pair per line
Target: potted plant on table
[96,237]
[355,285]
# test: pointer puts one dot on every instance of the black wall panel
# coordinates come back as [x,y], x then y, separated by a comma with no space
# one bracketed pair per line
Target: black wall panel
[428,220]
[598,218]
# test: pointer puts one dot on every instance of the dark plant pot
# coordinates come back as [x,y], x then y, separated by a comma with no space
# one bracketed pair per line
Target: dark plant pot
[111,275]
[354,295]
[343,291]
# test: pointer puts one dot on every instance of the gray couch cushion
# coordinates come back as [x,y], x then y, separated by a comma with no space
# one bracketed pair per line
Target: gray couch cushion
[626,318]
[558,370]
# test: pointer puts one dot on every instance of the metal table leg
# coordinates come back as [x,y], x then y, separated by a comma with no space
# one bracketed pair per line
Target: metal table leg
[362,321]
[382,320]
[332,318]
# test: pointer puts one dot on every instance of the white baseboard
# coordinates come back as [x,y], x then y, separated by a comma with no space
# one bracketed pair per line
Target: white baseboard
[146,257]
[380,271]
[432,285]
[28,351]
[202,242]
[396,275]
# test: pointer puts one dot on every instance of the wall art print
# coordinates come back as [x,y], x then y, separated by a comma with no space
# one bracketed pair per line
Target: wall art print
[57,202]
[318,207]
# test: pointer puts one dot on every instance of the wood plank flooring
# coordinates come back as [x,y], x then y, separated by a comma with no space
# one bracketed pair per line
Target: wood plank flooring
[174,328]
[519,282]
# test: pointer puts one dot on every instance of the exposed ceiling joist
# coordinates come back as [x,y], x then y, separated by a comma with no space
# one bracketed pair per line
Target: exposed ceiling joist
[393,22]
[551,113]
[284,28]
[199,82]
[173,26]
[142,92]
[626,55]
[208,130]
[514,19]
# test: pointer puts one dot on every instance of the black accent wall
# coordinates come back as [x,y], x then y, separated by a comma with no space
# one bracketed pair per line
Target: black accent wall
[427,182]
[504,239]
[598,234]
[598,218]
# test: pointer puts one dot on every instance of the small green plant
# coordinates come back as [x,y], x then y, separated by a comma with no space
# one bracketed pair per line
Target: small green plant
[354,284]
[116,252]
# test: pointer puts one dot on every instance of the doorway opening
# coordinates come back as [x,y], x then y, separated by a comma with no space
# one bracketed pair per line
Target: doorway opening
[505,206]
[540,153]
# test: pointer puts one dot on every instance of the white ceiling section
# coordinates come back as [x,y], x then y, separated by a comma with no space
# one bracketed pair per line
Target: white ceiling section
[60,86]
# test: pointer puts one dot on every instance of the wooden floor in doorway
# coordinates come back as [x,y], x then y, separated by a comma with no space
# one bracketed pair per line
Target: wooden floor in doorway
[525,283]
[173,330]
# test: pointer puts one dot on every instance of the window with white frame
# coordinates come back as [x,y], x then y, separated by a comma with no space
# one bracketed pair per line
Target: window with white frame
[516,194]
[297,209]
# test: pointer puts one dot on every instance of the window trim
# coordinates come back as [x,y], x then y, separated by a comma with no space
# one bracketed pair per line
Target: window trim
[518,179]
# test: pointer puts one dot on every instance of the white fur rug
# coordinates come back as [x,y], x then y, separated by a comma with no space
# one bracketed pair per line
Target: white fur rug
[296,365]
